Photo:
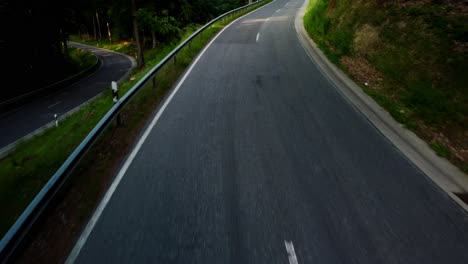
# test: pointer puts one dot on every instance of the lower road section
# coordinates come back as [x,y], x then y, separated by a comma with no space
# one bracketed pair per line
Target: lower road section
[19,122]
[259,159]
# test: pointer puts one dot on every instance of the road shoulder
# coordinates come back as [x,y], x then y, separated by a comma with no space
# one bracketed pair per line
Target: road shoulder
[5,150]
[448,177]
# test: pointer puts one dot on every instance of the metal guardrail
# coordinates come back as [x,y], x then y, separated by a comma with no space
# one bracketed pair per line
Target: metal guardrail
[23,224]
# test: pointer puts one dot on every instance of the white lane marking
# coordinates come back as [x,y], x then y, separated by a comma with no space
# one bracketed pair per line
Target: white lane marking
[278,10]
[291,253]
[92,222]
[52,105]
[266,20]
[258,36]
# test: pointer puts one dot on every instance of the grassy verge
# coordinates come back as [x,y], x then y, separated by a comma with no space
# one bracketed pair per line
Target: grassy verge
[77,61]
[81,59]
[409,56]
[126,47]
[28,168]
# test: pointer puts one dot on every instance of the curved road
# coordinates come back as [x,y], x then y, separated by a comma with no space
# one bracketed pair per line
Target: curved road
[259,159]
[19,122]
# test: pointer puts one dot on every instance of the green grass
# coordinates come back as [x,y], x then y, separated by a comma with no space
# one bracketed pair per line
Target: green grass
[77,61]
[25,171]
[420,51]
[440,150]
[81,59]
[126,47]
[29,167]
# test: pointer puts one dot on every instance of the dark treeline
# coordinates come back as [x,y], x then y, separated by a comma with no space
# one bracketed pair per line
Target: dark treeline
[94,15]
[31,38]
[34,34]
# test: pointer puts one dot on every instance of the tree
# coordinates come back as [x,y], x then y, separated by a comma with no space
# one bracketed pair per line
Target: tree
[166,26]
[163,27]
[146,21]
[140,58]
[33,45]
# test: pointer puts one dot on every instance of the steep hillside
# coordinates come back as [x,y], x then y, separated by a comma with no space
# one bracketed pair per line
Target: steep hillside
[411,56]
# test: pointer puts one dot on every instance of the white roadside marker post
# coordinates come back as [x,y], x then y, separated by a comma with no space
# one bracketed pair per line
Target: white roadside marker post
[115,98]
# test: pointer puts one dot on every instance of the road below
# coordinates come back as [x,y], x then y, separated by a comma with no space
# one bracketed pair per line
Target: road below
[259,159]
[19,122]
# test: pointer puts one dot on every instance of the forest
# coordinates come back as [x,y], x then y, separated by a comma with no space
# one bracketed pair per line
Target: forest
[34,34]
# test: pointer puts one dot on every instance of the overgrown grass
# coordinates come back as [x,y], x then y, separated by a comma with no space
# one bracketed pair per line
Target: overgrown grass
[25,171]
[418,48]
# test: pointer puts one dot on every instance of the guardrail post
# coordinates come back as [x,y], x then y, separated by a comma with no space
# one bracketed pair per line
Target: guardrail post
[56,120]
[115,98]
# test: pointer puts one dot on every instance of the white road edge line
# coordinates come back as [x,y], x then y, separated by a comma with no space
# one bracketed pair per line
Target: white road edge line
[291,253]
[258,36]
[92,222]
[400,142]
[54,104]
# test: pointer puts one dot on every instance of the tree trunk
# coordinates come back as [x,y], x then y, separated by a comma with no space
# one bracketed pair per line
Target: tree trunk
[140,59]
[64,44]
[153,37]
[109,33]
[99,26]
[65,49]
[94,29]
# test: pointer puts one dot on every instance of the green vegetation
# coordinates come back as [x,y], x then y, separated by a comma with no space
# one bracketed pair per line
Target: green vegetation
[440,150]
[43,62]
[25,171]
[81,59]
[76,61]
[412,55]
[125,47]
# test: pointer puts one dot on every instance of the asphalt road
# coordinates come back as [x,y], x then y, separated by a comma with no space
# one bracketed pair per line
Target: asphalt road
[259,159]
[19,122]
